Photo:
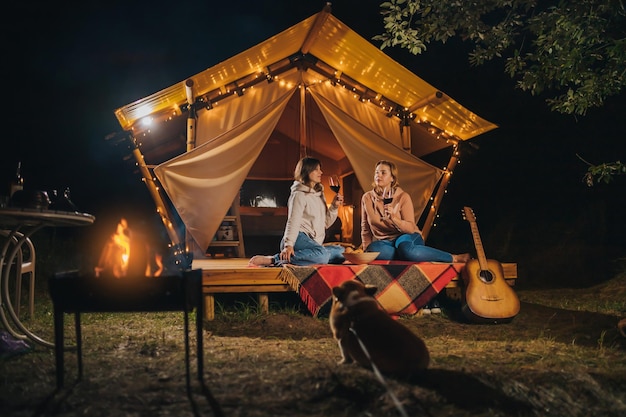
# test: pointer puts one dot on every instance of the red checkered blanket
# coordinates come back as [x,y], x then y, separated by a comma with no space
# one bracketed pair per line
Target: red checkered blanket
[403,287]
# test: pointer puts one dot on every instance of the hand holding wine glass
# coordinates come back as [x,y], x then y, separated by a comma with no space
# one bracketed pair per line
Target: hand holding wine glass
[387,199]
[334,183]
[387,195]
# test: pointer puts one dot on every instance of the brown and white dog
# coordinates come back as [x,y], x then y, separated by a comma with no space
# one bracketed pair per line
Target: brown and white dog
[392,347]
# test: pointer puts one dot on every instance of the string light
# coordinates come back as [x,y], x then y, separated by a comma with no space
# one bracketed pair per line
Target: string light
[303,62]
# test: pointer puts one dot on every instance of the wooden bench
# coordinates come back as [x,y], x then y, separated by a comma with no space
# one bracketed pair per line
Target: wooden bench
[232,275]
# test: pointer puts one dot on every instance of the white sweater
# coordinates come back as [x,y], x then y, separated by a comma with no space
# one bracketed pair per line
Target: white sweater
[308,213]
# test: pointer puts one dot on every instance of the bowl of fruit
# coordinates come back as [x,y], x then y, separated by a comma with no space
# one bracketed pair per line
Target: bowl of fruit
[360,257]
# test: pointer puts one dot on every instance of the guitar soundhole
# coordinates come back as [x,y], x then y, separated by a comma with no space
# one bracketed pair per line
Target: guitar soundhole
[486,276]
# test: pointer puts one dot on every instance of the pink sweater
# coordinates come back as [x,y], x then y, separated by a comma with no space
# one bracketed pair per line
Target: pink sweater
[374,227]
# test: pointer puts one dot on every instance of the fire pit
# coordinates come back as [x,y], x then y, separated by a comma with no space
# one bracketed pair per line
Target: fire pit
[73,292]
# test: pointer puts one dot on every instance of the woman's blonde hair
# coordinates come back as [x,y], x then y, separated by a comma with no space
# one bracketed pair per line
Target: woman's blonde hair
[395,182]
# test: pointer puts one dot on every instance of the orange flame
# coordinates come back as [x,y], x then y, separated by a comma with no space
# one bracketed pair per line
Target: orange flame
[123,248]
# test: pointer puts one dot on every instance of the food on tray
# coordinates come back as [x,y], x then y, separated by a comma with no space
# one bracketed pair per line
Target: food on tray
[351,249]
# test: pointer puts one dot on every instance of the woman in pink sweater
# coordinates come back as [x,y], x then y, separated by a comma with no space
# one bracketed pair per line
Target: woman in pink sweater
[390,228]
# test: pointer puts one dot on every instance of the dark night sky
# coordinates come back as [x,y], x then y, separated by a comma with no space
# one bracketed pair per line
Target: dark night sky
[67,68]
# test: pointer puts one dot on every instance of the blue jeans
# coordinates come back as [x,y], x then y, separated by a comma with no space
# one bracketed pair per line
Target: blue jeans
[309,252]
[386,248]
[408,247]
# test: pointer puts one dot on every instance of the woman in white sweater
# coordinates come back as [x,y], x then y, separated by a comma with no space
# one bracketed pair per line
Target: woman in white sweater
[307,221]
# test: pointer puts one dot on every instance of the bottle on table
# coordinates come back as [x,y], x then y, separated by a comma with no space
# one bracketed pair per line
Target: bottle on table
[18,181]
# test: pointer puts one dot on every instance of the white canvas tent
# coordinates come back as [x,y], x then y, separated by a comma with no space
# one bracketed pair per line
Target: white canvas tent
[316,89]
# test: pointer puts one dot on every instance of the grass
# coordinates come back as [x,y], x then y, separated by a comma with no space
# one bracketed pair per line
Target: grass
[561,356]
[606,298]
[248,308]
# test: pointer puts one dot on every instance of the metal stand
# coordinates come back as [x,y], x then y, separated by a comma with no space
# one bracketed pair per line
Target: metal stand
[76,294]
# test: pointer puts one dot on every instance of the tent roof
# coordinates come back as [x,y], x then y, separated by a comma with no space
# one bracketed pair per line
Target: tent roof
[326,45]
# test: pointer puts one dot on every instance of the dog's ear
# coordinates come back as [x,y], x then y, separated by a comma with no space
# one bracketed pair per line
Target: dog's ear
[337,292]
[370,289]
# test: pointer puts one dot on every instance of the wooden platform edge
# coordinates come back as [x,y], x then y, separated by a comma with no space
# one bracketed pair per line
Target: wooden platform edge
[225,279]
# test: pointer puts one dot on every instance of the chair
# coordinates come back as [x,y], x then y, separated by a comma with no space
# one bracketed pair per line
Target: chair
[24,264]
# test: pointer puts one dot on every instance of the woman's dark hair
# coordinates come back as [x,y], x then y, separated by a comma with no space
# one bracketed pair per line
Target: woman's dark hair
[304,167]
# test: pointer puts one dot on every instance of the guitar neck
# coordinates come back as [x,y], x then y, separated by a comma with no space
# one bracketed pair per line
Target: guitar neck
[480,250]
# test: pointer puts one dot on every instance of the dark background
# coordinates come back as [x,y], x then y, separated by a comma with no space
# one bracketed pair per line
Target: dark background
[67,68]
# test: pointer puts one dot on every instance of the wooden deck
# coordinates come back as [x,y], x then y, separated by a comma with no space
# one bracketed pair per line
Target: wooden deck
[233,275]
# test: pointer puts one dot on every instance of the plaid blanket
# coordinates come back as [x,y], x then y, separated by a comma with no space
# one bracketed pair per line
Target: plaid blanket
[402,287]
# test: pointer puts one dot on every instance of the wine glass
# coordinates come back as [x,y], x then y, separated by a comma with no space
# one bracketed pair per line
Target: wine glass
[387,195]
[334,183]
[387,198]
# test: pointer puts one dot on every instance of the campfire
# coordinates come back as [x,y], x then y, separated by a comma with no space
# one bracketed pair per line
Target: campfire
[128,254]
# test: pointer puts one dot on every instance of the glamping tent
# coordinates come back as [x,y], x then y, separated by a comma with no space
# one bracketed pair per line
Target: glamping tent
[317,89]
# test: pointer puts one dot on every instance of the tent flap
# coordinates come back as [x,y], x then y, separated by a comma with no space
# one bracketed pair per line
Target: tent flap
[203,182]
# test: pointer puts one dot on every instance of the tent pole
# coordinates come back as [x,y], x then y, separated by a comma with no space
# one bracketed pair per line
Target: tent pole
[162,209]
[434,207]
[190,245]
[303,138]
[191,119]
[405,131]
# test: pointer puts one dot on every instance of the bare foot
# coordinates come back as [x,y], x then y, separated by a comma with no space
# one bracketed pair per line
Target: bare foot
[260,260]
[461,258]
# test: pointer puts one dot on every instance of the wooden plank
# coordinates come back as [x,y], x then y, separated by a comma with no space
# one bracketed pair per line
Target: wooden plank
[456,282]
[209,307]
[240,265]
[224,243]
[264,303]
[509,269]
[213,264]
[277,287]
[239,276]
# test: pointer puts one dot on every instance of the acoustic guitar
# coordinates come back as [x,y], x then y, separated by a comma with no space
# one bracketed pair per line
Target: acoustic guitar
[488,298]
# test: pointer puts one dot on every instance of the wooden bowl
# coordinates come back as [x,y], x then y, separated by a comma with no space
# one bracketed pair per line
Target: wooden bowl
[360,257]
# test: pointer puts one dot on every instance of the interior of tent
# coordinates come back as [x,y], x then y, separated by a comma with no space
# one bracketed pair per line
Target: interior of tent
[235,131]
